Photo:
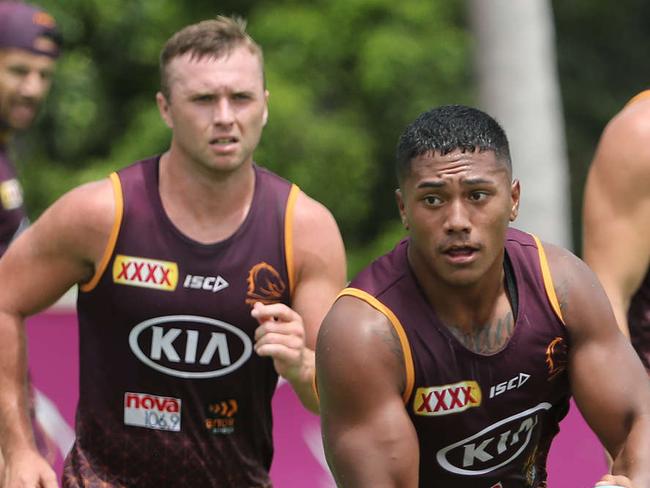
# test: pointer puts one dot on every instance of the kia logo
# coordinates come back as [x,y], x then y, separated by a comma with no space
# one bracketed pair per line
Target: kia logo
[494,446]
[190,346]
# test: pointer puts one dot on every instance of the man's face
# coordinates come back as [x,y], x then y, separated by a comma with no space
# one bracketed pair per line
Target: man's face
[457,208]
[216,108]
[25,80]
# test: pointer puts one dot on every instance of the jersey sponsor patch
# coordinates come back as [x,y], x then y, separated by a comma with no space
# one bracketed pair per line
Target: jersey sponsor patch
[144,272]
[432,401]
[221,417]
[513,383]
[265,284]
[11,194]
[208,283]
[190,346]
[152,412]
[493,447]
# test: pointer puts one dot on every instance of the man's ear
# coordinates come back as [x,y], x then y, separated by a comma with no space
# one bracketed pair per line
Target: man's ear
[163,108]
[265,116]
[515,195]
[399,198]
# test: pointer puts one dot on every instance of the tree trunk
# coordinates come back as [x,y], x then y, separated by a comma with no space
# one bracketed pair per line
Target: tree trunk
[518,85]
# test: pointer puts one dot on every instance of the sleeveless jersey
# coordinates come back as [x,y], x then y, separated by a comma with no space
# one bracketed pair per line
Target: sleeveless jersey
[638,315]
[171,391]
[483,421]
[13,217]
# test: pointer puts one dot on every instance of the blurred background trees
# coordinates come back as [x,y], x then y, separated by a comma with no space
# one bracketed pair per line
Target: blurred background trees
[345,77]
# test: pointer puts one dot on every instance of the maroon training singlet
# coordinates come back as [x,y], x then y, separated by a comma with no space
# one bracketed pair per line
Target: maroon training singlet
[171,392]
[482,421]
[13,217]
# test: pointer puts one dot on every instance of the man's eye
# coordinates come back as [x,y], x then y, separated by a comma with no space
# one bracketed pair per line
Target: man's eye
[19,70]
[432,200]
[478,196]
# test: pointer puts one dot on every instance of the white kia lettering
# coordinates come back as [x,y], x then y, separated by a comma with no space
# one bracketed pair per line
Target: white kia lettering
[214,360]
[494,446]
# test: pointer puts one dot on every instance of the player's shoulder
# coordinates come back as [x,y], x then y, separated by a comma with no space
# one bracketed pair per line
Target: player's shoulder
[315,229]
[87,208]
[631,124]
[622,159]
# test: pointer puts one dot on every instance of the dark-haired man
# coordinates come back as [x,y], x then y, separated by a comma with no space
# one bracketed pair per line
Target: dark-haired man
[202,278]
[450,360]
[29,46]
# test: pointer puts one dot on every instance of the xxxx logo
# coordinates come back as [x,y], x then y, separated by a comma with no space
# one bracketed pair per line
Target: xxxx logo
[446,399]
[147,273]
[226,408]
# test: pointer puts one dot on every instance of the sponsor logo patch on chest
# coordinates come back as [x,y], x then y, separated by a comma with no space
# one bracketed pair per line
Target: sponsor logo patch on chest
[446,399]
[190,346]
[493,447]
[144,272]
[11,194]
[152,412]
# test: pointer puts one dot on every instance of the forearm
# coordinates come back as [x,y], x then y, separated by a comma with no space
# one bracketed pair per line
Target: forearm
[303,382]
[360,459]
[632,460]
[15,426]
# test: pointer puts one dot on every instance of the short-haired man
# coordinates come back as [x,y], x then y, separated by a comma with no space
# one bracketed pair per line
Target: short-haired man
[29,46]
[202,278]
[450,360]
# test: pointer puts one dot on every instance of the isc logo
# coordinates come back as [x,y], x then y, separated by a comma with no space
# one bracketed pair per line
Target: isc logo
[511,384]
[147,273]
[209,283]
[190,347]
[492,447]
[446,399]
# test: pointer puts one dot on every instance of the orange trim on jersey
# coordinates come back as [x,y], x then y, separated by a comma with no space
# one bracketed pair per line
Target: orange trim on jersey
[397,325]
[112,239]
[548,279]
[644,95]
[288,236]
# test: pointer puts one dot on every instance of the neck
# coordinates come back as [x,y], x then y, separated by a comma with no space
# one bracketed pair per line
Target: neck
[206,206]
[467,306]
[479,315]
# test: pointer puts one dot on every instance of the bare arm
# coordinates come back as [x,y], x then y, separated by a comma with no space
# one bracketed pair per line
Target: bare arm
[616,208]
[607,378]
[369,438]
[43,263]
[320,271]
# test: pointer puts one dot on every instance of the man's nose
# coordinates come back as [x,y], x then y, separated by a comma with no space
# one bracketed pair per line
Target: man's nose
[457,218]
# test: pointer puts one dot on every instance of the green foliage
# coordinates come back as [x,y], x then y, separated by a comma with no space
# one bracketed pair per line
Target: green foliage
[345,77]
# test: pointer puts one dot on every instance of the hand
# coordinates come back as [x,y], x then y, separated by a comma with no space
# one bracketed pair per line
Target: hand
[613,481]
[27,469]
[281,336]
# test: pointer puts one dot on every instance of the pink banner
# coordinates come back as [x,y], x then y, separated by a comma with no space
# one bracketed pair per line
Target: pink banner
[576,459]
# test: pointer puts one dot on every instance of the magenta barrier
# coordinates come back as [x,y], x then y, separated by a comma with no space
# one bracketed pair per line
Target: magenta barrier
[576,459]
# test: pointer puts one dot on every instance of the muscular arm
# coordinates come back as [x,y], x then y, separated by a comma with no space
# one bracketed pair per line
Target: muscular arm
[368,436]
[319,272]
[45,261]
[616,208]
[607,379]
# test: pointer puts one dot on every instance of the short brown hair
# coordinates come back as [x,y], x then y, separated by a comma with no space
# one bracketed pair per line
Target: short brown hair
[209,38]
